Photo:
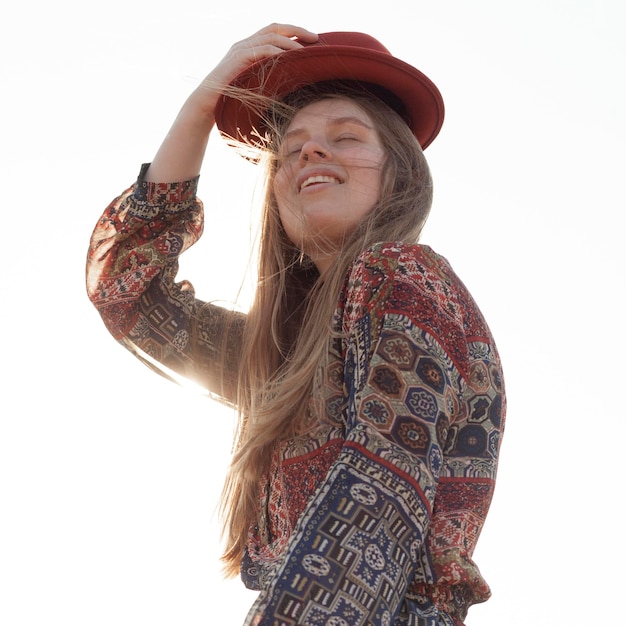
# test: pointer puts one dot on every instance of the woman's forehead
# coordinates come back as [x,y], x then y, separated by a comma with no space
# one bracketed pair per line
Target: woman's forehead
[330,110]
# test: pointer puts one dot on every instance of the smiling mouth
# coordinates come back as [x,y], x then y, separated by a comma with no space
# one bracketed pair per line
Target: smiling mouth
[317,180]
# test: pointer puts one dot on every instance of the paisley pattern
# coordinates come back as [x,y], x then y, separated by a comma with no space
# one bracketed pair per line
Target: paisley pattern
[373,516]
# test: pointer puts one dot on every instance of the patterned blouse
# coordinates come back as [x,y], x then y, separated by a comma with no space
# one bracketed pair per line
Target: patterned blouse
[373,516]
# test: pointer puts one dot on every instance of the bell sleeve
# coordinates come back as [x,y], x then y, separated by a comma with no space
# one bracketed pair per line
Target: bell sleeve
[361,542]
[132,264]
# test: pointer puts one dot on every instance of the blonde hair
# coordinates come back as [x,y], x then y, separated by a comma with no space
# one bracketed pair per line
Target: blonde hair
[289,326]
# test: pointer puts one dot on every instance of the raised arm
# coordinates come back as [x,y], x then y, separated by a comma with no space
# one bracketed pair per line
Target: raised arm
[133,255]
[181,153]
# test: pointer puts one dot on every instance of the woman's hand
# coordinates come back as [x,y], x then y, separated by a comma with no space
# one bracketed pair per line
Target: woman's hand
[267,42]
[181,153]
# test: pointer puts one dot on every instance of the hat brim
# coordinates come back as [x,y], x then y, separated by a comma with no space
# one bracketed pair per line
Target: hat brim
[284,74]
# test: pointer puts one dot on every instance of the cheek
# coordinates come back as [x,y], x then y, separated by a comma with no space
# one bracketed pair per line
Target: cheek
[282,182]
[288,219]
[371,187]
[281,187]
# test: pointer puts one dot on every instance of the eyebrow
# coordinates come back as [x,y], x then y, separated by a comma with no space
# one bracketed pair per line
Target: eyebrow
[335,121]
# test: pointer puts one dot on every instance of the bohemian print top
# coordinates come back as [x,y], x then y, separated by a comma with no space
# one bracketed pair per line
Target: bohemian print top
[371,517]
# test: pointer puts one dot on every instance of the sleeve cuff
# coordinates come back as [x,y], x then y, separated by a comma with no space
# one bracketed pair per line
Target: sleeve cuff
[163,194]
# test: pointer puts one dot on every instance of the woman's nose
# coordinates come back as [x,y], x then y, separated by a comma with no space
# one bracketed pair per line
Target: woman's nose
[314,150]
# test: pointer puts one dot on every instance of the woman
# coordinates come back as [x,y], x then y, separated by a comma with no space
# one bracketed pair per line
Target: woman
[368,385]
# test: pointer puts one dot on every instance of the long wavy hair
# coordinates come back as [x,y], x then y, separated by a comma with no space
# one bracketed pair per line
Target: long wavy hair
[289,326]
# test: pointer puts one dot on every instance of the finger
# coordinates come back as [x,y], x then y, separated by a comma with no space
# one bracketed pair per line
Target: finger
[290,31]
[270,41]
[267,42]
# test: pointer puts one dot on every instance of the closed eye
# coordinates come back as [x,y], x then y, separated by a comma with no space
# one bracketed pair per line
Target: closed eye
[291,151]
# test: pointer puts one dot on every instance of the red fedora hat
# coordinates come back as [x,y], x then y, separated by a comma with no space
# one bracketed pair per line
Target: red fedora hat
[334,56]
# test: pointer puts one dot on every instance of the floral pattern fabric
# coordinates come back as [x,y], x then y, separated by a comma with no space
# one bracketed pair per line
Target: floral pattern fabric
[373,516]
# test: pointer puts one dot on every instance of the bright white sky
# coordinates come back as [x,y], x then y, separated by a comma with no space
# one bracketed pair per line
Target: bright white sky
[109,476]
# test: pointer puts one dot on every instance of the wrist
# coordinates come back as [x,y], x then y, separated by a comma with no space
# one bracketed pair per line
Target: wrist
[198,111]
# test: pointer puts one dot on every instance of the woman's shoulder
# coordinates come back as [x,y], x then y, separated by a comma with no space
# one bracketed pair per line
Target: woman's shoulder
[392,274]
[417,281]
[401,259]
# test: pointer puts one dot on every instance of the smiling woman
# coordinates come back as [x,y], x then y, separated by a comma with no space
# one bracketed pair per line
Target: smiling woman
[368,385]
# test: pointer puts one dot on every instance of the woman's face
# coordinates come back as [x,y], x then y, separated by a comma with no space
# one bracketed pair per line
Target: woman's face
[328,177]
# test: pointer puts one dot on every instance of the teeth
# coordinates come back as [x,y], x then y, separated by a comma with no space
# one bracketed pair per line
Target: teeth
[318,179]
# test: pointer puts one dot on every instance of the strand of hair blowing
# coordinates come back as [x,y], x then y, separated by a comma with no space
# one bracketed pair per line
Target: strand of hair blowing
[290,324]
